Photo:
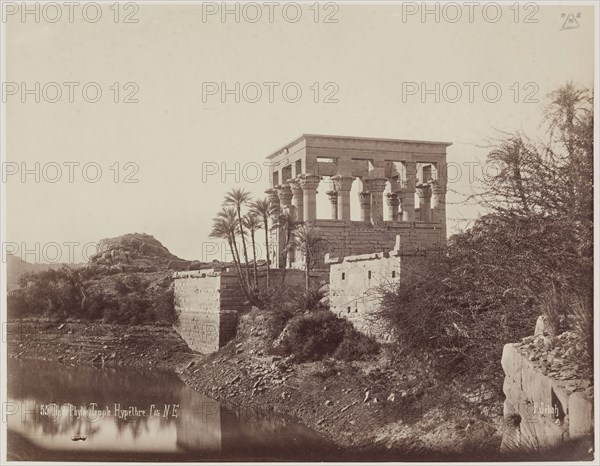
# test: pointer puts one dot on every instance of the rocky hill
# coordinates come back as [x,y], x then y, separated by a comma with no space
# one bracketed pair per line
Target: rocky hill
[138,252]
[128,281]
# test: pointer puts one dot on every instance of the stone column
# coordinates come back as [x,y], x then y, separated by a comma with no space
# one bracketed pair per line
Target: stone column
[284,191]
[309,184]
[439,205]
[297,199]
[376,186]
[343,184]
[424,193]
[408,192]
[365,207]
[393,202]
[333,198]
[400,208]
[273,198]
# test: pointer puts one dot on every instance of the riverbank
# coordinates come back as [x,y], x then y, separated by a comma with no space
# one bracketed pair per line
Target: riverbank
[362,406]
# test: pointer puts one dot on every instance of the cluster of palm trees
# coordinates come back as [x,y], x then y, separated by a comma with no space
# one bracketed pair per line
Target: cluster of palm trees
[240,218]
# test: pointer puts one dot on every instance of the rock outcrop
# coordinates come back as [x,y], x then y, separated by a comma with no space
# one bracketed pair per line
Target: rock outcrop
[136,251]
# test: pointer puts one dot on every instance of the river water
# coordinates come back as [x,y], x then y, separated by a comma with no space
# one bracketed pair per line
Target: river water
[59,412]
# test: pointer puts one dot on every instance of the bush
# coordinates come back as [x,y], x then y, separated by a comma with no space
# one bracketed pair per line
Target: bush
[286,301]
[487,289]
[355,346]
[17,305]
[313,336]
[89,293]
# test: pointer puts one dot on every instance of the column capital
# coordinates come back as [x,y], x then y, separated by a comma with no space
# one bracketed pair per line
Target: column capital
[365,198]
[342,183]
[437,187]
[423,191]
[283,188]
[374,185]
[294,185]
[308,181]
[284,191]
[272,197]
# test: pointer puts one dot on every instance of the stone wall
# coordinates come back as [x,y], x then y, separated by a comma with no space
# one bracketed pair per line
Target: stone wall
[355,238]
[355,284]
[198,308]
[543,408]
[208,303]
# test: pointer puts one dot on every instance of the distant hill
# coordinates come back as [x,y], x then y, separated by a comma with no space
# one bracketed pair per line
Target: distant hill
[129,253]
[137,252]
[129,280]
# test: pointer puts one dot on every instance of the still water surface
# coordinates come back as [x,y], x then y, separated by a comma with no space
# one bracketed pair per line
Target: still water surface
[85,413]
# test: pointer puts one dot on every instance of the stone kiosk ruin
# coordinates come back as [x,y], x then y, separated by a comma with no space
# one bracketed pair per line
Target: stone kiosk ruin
[401,189]
[409,178]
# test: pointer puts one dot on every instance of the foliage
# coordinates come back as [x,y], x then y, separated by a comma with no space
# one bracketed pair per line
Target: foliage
[284,301]
[82,294]
[315,335]
[530,254]
[307,241]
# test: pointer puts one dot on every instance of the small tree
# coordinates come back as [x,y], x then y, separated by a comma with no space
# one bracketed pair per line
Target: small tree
[307,241]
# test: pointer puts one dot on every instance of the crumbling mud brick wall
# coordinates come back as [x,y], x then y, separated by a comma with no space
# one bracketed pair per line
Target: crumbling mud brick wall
[356,283]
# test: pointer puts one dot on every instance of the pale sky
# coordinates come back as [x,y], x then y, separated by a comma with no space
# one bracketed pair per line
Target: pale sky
[170,133]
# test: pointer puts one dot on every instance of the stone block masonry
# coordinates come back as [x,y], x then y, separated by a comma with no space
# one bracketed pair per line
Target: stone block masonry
[207,303]
[542,409]
[353,238]
[400,171]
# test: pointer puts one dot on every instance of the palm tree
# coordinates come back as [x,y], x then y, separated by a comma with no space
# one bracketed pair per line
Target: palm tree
[225,226]
[236,198]
[252,223]
[307,241]
[266,210]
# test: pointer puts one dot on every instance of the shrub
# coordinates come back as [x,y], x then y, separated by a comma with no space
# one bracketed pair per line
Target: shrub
[582,323]
[97,305]
[355,346]
[315,335]
[17,305]
[484,291]
[286,301]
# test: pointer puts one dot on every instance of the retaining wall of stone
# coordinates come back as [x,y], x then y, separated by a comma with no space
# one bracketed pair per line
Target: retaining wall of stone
[540,411]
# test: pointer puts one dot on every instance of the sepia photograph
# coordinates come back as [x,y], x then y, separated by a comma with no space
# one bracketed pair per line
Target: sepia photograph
[306,232]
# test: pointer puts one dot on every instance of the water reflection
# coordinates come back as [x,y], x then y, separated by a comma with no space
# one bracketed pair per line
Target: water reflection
[124,414]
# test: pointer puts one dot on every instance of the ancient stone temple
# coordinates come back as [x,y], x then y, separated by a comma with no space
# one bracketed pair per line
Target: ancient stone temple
[401,189]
